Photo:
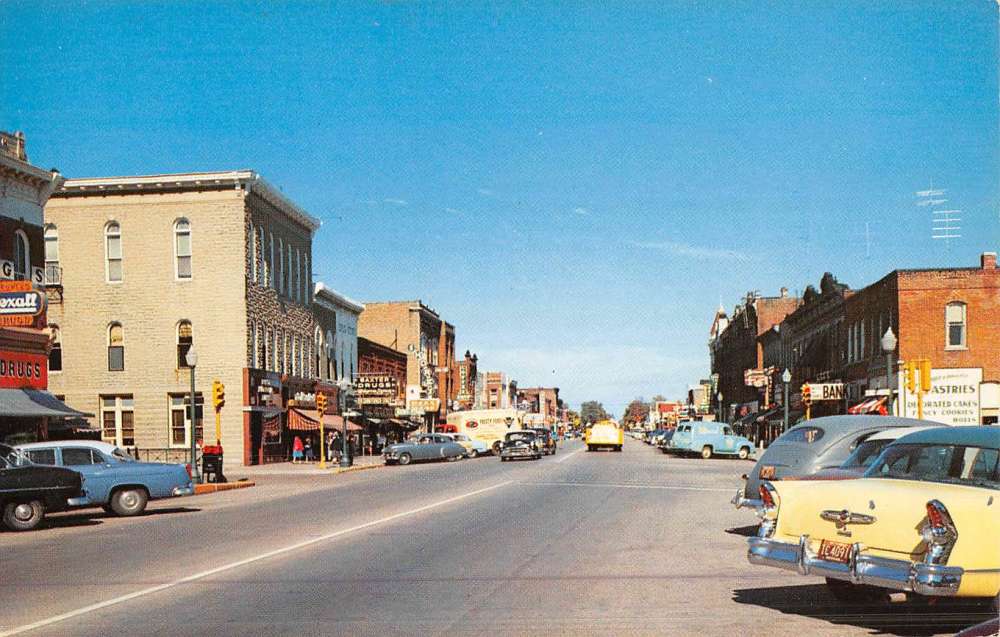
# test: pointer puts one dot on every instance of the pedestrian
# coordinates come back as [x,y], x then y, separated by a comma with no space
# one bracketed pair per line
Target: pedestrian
[309,449]
[330,440]
[297,450]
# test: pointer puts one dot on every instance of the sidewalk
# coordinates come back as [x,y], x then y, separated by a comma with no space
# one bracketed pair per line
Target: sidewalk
[361,463]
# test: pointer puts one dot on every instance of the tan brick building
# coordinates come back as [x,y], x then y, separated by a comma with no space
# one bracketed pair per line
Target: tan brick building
[153,265]
[428,342]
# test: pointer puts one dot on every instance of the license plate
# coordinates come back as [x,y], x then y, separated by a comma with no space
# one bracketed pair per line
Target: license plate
[766,472]
[834,551]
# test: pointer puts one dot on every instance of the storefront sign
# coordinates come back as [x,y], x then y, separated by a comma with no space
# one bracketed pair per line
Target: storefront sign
[20,370]
[20,304]
[423,405]
[826,391]
[954,398]
[376,389]
[264,389]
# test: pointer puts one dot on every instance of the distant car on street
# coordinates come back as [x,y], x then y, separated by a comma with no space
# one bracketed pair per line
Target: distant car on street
[28,490]
[424,447]
[473,447]
[547,440]
[709,438]
[663,442]
[521,444]
[113,480]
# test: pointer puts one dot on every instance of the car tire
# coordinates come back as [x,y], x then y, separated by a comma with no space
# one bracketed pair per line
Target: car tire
[496,448]
[854,593]
[128,502]
[706,452]
[590,447]
[404,459]
[23,516]
[744,453]
[452,458]
[502,459]
[473,453]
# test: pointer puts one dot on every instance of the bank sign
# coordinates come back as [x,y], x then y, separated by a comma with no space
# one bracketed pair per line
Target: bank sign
[953,398]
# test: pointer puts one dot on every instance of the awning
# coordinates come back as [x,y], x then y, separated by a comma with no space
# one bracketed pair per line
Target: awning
[35,403]
[308,420]
[874,405]
[404,424]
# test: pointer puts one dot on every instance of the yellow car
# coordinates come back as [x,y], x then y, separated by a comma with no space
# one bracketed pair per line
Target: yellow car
[605,433]
[925,519]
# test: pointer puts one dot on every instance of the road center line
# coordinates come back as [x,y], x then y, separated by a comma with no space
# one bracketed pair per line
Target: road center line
[608,485]
[250,560]
[569,455]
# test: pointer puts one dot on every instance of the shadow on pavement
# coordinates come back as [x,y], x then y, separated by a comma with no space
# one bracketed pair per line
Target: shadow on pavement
[745,531]
[911,618]
[96,516]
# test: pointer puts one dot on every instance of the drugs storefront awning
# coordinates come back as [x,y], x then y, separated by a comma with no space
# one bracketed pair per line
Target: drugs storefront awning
[308,420]
[35,403]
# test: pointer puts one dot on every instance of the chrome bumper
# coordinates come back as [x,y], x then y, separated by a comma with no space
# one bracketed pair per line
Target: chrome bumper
[903,575]
[741,502]
[179,491]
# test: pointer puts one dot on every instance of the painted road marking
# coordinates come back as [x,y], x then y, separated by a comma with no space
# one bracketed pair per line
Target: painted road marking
[607,485]
[250,560]
[569,455]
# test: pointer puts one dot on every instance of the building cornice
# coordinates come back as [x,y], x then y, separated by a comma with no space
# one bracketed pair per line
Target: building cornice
[24,169]
[331,299]
[248,180]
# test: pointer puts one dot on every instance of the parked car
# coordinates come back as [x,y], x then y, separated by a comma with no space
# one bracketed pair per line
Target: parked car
[114,480]
[862,457]
[663,442]
[521,444]
[28,490]
[661,434]
[647,436]
[924,519]
[708,439]
[547,440]
[423,447]
[821,443]
[473,447]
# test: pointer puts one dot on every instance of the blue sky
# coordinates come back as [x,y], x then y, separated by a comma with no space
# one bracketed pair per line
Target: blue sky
[573,185]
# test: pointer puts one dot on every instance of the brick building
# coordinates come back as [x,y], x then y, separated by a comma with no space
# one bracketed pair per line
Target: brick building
[335,348]
[155,265]
[734,348]
[498,391]
[429,344]
[540,400]
[464,382]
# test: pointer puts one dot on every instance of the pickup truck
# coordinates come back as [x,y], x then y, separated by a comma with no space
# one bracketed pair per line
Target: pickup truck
[605,434]
[28,490]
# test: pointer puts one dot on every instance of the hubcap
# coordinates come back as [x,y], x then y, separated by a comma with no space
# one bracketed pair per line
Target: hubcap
[129,499]
[23,512]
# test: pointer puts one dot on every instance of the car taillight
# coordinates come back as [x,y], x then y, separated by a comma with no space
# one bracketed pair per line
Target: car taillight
[768,512]
[939,533]
[767,497]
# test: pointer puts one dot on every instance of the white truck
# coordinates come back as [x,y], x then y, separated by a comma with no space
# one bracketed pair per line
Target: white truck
[488,425]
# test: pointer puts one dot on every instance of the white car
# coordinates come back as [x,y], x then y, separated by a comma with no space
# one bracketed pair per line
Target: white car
[473,447]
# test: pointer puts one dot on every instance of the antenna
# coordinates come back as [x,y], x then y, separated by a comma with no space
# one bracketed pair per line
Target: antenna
[944,222]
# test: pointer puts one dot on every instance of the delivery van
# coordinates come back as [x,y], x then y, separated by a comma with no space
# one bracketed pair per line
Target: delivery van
[488,425]
[604,434]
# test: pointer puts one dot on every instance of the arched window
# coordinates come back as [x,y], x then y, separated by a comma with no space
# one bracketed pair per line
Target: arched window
[116,348]
[52,273]
[182,248]
[185,338]
[331,365]
[254,269]
[55,353]
[22,256]
[956,318]
[318,352]
[113,252]
[269,263]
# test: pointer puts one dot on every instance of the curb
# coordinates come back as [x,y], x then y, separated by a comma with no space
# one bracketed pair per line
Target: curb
[200,489]
[359,468]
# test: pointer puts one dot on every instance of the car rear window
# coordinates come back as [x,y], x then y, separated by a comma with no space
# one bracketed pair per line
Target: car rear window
[806,435]
[42,456]
[939,463]
[73,456]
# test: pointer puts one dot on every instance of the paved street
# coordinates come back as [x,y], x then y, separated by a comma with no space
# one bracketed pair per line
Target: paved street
[634,543]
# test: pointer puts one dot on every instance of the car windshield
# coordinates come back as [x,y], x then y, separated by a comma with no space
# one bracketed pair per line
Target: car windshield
[865,454]
[956,464]
[520,435]
[13,457]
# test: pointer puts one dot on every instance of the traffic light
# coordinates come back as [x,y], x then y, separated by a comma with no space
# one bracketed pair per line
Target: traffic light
[218,394]
[925,375]
[911,377]
[321,403]
[806,394]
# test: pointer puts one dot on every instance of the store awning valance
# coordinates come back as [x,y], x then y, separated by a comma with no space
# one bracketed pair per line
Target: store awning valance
[308,420]
[35,403]
[870,406]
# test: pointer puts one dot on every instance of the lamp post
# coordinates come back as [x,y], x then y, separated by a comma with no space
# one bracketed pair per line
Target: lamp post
[191,358]
[344,385]
[786,377]
[719,397]
[889,342]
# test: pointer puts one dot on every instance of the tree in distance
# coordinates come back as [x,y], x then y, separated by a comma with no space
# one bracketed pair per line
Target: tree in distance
[592,411]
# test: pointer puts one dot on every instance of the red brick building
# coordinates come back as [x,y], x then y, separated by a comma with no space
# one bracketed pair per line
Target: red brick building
[464,374]
[375,359]
[540,400]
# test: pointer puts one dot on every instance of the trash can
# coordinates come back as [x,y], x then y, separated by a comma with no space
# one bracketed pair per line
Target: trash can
[211,464]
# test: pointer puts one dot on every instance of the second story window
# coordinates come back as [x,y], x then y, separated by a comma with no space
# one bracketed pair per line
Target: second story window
[185,338]
[22,256]
[55,353]
[52,274]
[116,348]
[955,323]
[182,248]
[113,252]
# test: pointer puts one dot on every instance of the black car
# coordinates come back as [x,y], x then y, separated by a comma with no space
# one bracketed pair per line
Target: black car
[547,440]
[521,444]
[28,490]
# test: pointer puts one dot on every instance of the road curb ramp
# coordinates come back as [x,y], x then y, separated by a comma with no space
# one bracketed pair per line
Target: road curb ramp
[199,489]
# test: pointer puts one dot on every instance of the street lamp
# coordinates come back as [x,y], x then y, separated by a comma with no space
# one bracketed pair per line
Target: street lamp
[786,377]
[719,397]
[191,358]
[889,342]
[344,385]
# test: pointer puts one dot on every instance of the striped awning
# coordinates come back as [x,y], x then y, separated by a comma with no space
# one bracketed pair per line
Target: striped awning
[308,420]
[874,405]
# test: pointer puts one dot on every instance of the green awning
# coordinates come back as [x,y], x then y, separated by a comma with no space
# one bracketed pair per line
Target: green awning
[35,403]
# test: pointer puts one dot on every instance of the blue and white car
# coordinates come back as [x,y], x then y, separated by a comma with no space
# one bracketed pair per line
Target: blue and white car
[708,439]
[112,479]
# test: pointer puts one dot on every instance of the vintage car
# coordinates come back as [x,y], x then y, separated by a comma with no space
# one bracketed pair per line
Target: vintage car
[813,445]
[521,444]
[663,442]
[547,439]
[862,457]
[606,434]
[28,491]
[424,447]
[473,447]
[708,439]
[114,480]
[924,519]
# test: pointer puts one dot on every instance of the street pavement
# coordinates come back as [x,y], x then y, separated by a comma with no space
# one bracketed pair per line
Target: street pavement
[631,543]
